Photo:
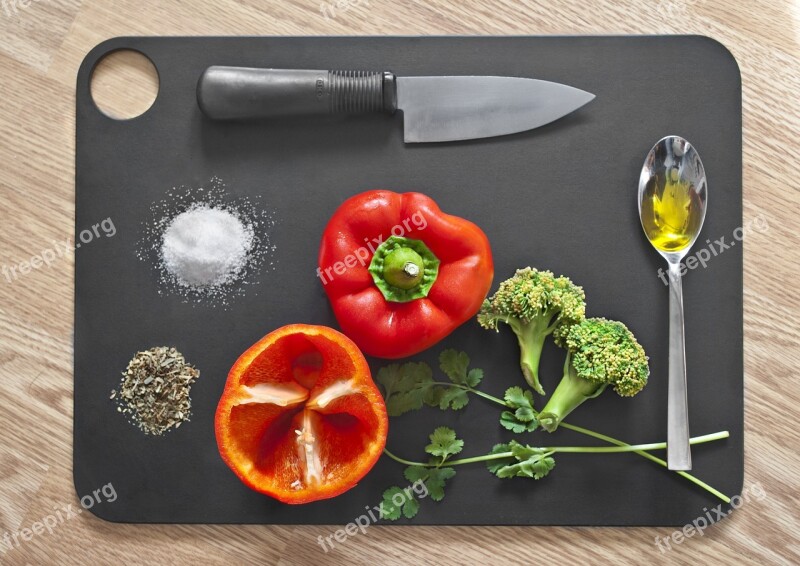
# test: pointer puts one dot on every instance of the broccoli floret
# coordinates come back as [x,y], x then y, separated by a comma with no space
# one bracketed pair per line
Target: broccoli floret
[600,352]
[534,304]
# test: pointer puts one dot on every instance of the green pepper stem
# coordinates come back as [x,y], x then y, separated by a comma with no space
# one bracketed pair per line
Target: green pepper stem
[403,269]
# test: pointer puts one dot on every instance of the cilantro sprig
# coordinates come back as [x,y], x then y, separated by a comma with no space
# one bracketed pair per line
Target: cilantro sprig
[524,462]
[410,386]
[515,459]
[407,387]
[522,417]
[432,475]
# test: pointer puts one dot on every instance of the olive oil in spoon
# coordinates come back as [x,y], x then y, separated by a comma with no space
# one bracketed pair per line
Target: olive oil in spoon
[671,212]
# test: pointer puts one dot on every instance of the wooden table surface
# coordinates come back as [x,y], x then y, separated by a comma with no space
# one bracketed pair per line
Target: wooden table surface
[42,44]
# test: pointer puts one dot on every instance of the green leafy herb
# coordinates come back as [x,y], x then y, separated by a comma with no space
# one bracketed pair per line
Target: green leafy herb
[525,461]
[449,398]
[523,418]
[510,422]
[433,478]
[436,482]
[496,464]
[391,510]
[444,443]
[409,386]
[416,473]
[454,365]
[410,507]
[406,387]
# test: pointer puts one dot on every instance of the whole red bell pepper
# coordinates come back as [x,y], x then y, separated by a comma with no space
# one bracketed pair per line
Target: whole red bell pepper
[400,273]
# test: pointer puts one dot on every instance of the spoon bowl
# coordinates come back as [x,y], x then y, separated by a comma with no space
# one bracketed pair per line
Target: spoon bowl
[672,197]
[672,208]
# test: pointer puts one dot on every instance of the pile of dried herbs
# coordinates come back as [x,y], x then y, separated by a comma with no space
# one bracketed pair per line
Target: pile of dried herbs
[154,392]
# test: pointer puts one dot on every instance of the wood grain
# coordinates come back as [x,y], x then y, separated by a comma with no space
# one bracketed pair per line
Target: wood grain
[43,42]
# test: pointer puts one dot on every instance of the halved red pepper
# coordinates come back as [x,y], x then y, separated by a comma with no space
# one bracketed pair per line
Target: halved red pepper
[300,418]
[400,273]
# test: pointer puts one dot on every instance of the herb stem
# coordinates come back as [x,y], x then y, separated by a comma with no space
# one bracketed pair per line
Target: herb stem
[470,390]
[406,462]
[695,480]
[635,447]
[462,461]
[572,449]
[484,458]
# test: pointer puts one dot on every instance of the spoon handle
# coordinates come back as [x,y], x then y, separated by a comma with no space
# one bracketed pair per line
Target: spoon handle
[679,456]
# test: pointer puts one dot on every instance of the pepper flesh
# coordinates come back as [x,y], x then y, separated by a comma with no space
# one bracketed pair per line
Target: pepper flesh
[386,328]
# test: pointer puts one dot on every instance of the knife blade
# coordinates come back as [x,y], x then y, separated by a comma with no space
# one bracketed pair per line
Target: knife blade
[435,109]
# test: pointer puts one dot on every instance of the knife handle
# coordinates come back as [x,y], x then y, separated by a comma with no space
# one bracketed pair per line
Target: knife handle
[244,93]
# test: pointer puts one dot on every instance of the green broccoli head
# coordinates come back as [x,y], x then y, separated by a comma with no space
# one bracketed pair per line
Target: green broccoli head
[534,304]
[600,353]
[607,353]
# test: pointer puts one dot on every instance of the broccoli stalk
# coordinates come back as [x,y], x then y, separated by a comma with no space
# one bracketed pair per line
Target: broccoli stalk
[571,391]
[534,304]
[600,353]
[531,338]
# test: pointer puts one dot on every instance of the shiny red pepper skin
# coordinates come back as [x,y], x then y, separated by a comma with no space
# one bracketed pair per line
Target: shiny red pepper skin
[398,329]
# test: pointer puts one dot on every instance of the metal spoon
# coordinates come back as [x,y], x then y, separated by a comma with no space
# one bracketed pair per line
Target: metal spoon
[672,208]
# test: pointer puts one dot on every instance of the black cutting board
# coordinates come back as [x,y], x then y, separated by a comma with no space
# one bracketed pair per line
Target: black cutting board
[562,197]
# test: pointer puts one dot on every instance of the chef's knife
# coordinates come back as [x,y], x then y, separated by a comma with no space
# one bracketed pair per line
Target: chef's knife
[435,109]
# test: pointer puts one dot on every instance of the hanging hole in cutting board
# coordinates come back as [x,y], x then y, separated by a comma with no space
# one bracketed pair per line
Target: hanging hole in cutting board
[124,84]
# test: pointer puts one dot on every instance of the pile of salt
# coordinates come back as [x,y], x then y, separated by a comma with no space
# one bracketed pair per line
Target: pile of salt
[206,246]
